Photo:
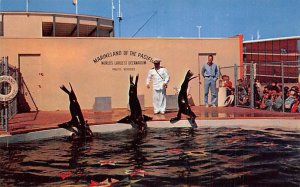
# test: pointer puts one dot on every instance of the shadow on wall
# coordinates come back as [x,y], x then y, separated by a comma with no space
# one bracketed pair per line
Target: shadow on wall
[24,93]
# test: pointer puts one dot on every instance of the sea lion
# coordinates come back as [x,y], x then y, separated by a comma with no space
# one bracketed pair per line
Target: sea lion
[136,118]
[77,120]
[184,107]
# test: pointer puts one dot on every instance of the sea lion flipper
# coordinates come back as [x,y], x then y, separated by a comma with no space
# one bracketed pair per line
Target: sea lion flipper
[70,86]
[64,89]
[136,79]
[68,127]
[147,118]
[125,120]
[131,79]
[174,120]
[193,123]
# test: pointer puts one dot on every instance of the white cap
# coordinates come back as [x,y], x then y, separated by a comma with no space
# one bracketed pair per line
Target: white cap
[156,60]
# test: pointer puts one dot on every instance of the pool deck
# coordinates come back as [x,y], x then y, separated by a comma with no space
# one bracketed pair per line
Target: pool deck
[44,120]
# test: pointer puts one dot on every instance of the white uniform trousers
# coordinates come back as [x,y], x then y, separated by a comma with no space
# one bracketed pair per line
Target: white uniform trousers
[159,100]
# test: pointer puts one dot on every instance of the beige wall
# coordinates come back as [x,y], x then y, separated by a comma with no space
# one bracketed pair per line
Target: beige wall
[22,26]
[64,60]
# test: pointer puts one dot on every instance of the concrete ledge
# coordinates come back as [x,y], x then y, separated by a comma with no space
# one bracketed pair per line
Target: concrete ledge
[248,124]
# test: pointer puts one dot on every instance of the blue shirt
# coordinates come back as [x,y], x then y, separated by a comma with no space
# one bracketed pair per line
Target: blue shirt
[210,71]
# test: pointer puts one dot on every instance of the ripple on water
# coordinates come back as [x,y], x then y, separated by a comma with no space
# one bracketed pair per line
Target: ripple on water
[172,156]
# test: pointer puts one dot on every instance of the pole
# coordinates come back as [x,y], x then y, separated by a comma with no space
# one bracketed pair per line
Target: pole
[1,88]
[252,84]
[120,18]
[199,30]
[76,6]
[236,86]
[199,79]
[282,87]
[112,9]
[27,5]
[5,91]
[119,28]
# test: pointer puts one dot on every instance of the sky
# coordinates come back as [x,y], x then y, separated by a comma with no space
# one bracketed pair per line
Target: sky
[255,19]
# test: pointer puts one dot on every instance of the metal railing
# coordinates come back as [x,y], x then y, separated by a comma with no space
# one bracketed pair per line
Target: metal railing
[8,109]
[249,71]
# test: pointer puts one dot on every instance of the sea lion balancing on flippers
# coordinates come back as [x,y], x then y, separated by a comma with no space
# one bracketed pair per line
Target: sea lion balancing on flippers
[82,129]
[136,118]
[184,107]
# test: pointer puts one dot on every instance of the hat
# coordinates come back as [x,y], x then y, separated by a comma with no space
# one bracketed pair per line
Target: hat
[295,88]
[156,60]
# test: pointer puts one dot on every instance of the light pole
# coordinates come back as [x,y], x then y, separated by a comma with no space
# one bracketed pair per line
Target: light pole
[199,30]
[120,18]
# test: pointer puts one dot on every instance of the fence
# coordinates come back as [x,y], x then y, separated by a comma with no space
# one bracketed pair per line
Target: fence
[244,79]
[8,90]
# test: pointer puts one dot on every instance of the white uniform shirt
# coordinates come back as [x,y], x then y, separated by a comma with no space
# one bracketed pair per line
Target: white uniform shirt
[157,80]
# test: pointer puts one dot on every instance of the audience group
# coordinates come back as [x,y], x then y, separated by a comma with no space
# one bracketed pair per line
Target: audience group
[269,97]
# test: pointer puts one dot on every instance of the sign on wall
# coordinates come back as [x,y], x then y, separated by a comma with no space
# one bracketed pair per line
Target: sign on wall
[106,59]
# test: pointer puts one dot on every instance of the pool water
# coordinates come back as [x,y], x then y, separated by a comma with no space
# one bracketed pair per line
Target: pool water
[162,157]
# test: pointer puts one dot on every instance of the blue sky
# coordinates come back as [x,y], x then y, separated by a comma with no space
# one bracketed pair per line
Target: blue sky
[180,18]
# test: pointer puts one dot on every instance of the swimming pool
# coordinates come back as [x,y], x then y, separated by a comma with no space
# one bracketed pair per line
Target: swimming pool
[229,156]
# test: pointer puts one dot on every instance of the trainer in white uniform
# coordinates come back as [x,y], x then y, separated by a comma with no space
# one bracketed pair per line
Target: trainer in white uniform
[160,79]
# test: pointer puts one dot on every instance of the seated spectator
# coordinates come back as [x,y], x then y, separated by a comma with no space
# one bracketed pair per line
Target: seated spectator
[274,86]
[257,85]
[266,90]
[240,83]
[295,88]
[241,96]
[266,102]
[257,97]
[289,100]
[227,84]
[277,101]
[296,104]
[241,88]
[285,92]
[245,100]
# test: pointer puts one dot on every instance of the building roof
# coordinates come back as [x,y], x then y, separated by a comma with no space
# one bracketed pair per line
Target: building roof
[65,25]
[272,39]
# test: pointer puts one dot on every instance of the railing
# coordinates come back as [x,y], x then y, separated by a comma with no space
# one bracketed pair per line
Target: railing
[249,72]
[8,108]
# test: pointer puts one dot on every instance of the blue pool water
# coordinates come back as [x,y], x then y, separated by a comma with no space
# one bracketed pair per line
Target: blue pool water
[162,157]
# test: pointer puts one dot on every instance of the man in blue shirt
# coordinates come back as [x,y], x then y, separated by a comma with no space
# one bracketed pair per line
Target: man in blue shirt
[210,72]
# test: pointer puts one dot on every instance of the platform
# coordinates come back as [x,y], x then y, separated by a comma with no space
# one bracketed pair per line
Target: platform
[43,120]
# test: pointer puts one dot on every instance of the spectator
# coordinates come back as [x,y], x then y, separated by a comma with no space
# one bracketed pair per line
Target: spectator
[227,84]
[274,86]
[258,85]
[289,100]
[266,102]
[295,105]
[257,97]
[241,88]
[285,92]
[278,101]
